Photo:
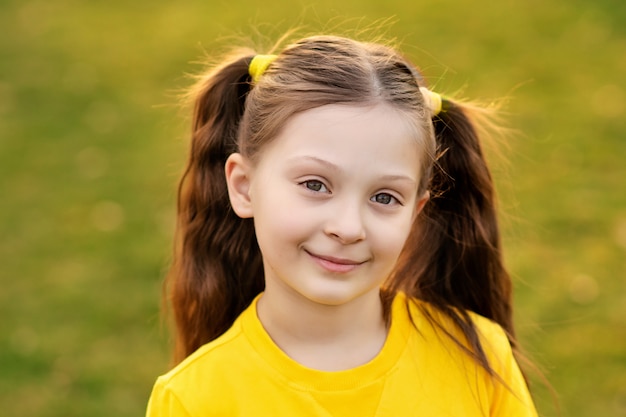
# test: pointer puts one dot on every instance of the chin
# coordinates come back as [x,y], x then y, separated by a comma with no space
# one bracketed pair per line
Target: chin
[336,297]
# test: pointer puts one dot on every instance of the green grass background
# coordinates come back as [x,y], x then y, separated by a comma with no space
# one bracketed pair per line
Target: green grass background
[92,144]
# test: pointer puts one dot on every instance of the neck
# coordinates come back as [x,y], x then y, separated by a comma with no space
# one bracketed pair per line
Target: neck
[324,337]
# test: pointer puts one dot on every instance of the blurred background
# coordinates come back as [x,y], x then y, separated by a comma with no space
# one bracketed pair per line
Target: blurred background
[92,144]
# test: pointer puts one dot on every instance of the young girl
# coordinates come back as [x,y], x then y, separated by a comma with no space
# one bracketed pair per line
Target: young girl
[338,252]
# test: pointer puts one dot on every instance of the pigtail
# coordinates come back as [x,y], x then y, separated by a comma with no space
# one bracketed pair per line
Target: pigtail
[453,259]
[467,269]
[217,268]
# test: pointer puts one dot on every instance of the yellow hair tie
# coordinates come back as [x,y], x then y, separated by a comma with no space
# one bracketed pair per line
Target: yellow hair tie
[433,100]
[258,65]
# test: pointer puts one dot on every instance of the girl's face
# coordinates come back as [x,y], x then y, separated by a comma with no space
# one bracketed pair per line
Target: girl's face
[333,199]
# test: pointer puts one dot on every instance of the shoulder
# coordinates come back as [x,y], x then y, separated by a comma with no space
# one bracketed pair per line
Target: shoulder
[444,338]
[507,390]
[198,380]
[425,315]
[208,355]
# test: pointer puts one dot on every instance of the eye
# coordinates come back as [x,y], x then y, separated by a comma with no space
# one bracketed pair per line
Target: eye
[315,185]
[384,198]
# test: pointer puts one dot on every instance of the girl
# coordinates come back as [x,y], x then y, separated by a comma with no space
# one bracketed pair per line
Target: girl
[337,252]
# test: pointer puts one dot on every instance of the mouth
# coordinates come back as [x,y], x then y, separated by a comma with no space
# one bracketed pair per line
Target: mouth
[333,264]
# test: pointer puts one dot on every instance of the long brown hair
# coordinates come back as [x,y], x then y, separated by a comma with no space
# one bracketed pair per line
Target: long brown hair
[452,258]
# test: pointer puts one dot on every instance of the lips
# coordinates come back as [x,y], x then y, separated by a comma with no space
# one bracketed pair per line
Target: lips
[334,264]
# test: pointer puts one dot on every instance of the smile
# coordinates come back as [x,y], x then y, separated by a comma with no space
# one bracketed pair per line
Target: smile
[336,265]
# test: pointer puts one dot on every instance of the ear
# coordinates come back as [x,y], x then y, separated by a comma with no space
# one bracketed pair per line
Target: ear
[421,203]
[238,170]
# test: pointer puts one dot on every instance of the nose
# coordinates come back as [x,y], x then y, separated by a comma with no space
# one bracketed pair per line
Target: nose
[345,223]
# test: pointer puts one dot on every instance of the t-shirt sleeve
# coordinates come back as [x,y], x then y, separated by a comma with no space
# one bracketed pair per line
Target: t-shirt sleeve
[511,397]
[164,402]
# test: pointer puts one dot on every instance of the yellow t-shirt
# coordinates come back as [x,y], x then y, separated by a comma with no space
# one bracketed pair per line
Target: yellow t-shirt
[418,372]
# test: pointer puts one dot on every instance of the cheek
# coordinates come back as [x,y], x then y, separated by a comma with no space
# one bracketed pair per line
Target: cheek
[392,238]
[279,219]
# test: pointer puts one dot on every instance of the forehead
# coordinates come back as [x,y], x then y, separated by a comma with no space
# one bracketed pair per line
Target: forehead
[353,136]
[338,125]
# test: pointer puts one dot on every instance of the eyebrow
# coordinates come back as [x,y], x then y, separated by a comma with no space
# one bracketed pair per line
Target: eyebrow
[329,165]
[325,163]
